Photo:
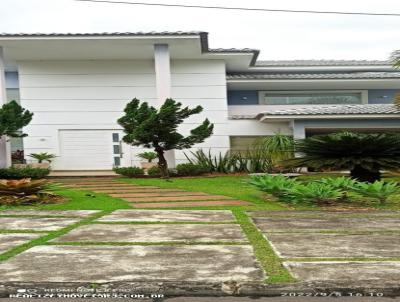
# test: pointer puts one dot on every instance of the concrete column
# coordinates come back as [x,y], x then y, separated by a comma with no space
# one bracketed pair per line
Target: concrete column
[163,84]
[5,148]
[163,72]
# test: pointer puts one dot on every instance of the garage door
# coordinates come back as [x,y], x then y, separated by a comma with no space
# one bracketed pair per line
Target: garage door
[85,150]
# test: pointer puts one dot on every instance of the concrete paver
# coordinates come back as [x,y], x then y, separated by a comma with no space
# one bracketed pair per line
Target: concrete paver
[335,245]
[154,233]
[72,213]
[9,241]
[157,194]
[177,198]
[322,214]
[285,224]
[350,272]
[169,215]
[189,204]
[39,224]
[133,263]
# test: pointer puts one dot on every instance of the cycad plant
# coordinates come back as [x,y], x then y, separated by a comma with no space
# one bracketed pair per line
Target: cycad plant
[276,185]
[314,192]
[379,190]
[365,155]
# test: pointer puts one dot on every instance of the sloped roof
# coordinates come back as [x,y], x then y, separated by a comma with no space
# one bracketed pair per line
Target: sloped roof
[306,63]
[339,110]
[317,76]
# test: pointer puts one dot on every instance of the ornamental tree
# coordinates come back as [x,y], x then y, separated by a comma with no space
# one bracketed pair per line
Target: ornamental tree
[364,154]
[12,118]
[146,126]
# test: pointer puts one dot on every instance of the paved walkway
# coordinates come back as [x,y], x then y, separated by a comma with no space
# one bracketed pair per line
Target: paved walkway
[149,197]
[198,251]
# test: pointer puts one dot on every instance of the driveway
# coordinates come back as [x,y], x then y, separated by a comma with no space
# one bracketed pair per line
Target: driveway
[200,252]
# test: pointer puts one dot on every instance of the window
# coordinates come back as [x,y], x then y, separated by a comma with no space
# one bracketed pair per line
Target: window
[311,97]
[244,143]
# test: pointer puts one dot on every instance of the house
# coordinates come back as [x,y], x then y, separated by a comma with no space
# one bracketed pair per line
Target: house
[77,85]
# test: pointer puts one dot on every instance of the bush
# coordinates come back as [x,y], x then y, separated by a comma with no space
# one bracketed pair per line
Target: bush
[189,169]
[252,161]
[314,192]
[129,171]
[379,190]
[20,173]
[154,171]
[278,186]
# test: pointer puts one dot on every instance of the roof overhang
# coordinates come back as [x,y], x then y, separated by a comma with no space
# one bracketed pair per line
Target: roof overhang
[118,46]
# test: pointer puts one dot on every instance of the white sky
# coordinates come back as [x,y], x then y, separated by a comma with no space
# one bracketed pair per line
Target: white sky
[277,35]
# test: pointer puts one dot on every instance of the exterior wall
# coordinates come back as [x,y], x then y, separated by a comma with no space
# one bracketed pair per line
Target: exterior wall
[202,82]
[68,95]
[84,95]
[250,97]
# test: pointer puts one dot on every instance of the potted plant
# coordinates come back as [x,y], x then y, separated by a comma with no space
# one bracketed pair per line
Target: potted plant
[149,157]
[43,159]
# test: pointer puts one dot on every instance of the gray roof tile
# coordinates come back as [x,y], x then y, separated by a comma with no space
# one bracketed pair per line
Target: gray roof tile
[322,76]
[380,109]
[307,63]
[139,33]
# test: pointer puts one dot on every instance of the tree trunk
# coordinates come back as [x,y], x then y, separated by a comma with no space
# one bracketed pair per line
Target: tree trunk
[162,162]
[361,174]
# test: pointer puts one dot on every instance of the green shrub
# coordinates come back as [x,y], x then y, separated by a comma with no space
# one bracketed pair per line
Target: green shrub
[314,192]
[278,185]
[154,171]
[379,190]
[189,169]
[342,183]
[251,161]
[129,171]
[26,172]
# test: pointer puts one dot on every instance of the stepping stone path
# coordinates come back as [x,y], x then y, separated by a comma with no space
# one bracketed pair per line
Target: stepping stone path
[143,197]
[320,236]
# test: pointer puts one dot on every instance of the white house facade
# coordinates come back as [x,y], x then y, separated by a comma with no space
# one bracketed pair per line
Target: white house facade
[77,86]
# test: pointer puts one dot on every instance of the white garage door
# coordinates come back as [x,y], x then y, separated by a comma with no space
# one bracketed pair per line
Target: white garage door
[85,150]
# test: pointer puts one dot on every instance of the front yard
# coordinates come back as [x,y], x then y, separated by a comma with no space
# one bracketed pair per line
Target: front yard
[273,240]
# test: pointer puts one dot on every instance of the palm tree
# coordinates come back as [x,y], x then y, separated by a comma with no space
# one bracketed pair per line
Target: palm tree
[365,155]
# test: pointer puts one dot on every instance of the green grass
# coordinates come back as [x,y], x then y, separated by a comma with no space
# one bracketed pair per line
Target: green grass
[79,200]
[271,263]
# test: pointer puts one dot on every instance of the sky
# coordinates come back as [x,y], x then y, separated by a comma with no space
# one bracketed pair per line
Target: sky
[279,36]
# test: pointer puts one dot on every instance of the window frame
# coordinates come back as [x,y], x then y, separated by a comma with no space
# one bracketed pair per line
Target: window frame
[261,95]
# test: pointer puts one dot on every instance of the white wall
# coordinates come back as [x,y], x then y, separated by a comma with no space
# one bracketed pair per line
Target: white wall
[202,82]
[66,95]
[79,95]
